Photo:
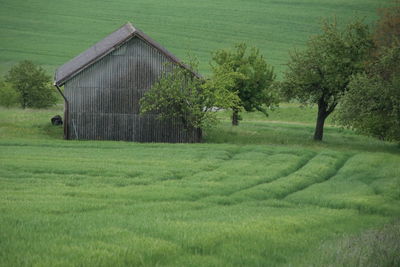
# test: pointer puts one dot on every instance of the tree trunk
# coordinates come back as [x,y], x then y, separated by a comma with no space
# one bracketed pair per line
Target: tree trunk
[24,100]
[235,117]
[23,103]
[319,127]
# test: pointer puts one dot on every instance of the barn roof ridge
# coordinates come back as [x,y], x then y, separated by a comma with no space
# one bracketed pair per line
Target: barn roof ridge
[105,47]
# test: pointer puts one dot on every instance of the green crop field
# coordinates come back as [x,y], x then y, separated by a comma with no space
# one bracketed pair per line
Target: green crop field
[261,194]
[52,32]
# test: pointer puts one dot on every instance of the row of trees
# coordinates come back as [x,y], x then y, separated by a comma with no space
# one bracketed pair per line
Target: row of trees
[350,69]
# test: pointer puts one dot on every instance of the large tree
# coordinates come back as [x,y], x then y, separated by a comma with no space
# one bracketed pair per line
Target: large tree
[32,84]
[321,73]
[254,79]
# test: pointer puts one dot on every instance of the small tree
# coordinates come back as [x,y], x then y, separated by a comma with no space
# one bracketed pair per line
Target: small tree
[32,84]
[253,80]
[321,73]
[181,95]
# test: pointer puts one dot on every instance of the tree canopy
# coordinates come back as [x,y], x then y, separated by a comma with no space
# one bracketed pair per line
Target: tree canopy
[321,73]
[32,84]
[372,104]
[180,94]
[253,80]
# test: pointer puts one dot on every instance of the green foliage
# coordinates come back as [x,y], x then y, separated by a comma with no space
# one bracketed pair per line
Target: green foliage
[254,80]
[181,95]
[32,84]
[324,69]
[321,73]
[8,95]
[372,104]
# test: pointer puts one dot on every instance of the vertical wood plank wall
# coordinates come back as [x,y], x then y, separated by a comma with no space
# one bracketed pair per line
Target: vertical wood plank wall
[104,98]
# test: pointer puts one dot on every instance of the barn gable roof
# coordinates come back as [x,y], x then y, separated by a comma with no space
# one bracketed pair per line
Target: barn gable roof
[103,48]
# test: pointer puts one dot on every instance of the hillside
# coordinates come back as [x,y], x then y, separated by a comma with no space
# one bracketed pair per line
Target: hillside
[52,32]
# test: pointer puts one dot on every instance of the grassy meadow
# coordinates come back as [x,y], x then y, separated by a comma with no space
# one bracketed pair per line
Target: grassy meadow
[260,194]
[52,32]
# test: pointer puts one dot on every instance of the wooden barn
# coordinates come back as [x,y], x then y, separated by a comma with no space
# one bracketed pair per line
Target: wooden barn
[103,86]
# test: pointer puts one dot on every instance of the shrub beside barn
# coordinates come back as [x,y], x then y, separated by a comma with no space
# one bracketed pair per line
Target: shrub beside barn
[103,87]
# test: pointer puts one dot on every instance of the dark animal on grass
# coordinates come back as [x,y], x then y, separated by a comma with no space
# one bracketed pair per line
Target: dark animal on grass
[56,120]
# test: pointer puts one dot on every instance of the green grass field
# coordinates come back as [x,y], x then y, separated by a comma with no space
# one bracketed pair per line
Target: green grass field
[52,32]
[261,194]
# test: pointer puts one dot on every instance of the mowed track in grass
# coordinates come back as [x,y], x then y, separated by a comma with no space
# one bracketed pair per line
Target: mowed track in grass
[233,204]
[52,32]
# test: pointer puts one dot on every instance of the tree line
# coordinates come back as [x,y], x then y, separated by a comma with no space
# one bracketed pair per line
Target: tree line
[353,70]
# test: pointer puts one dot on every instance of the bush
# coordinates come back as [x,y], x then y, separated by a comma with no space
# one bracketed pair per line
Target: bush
[8,96]
[371,106]
[32,84]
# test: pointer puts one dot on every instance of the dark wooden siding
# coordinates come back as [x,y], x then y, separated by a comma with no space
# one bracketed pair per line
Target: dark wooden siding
[104,98]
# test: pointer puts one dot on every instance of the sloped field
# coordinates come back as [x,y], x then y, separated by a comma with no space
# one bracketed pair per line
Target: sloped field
[52,32]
